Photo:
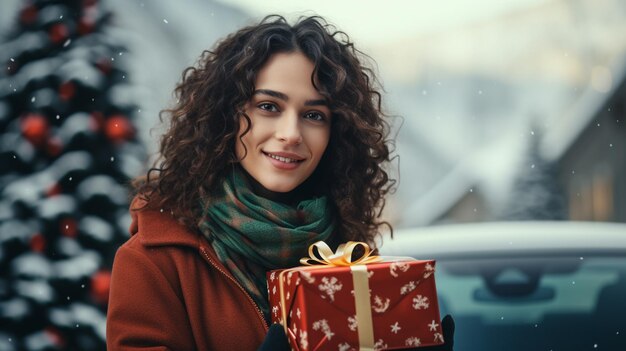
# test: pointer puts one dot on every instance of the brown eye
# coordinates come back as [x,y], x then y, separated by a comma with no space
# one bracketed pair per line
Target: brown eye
[316,116]
[266,106]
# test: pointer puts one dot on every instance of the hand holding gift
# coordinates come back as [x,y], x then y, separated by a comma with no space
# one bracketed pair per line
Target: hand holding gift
[350,304]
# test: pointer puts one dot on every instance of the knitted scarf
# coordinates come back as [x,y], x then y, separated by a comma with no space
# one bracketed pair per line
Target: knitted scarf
[252,234]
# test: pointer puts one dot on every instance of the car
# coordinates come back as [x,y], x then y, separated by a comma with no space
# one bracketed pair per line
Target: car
[531,285]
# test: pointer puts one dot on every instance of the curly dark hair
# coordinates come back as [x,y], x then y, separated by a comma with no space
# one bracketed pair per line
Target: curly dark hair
[198,148]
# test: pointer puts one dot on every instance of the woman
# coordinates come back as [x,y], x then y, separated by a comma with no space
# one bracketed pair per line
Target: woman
[277,141]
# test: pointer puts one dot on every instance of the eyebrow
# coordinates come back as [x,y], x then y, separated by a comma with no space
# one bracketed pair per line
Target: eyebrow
[282,96]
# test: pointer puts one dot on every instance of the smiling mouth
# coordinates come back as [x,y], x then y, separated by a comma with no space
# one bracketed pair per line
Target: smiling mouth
[283,159]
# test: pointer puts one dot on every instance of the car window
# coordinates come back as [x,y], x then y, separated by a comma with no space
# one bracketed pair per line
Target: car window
[535,303]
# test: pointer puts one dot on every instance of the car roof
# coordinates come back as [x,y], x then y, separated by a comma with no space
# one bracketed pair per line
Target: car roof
[527,238]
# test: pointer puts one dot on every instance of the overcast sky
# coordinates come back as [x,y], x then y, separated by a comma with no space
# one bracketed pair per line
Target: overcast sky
[370,22]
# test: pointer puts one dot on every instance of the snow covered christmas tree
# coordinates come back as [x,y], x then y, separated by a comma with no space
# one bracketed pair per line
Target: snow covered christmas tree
[536,193]
[68,147]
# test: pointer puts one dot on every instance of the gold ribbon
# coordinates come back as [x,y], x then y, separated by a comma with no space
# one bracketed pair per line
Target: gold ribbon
[342,257]
[363,306]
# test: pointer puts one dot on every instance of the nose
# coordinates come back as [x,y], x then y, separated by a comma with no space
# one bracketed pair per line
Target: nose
[288,129]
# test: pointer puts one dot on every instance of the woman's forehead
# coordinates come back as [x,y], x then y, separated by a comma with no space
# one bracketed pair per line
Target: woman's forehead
[289,74]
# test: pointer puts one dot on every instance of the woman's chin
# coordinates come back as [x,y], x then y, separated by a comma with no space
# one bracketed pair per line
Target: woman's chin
[278,187]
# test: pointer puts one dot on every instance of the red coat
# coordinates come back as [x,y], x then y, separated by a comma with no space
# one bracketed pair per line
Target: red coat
[170,292]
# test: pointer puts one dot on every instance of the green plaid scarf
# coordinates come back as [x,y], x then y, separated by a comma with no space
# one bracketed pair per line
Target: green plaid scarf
[252,234]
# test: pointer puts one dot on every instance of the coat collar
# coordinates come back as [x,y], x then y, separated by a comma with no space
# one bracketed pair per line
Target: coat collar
[159,228]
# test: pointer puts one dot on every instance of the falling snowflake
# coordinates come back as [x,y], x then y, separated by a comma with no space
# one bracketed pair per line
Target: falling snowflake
[433,326]
[402,266]
[380,306]
[420,302]
[412,341]
[323,326]
[395,328]
[380,345]
[407,288]
[304,342]
[330,286]
[352,323]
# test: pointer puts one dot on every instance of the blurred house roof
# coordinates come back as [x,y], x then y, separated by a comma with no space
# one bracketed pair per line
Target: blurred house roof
[570,123]
[546,64]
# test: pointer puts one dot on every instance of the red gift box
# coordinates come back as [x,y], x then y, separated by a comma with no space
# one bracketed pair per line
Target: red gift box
[376,306]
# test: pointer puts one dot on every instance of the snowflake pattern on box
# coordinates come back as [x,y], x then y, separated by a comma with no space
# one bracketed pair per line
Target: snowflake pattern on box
[344,346]
[307,277]
[324,327]
[352,323]
[438,337]
[379,306]
[420,302]
[433,326]
[413,341]
[330,286]
[380,345]
[429,270]
[402,266]
[408,287]
[321,302]
[304,342]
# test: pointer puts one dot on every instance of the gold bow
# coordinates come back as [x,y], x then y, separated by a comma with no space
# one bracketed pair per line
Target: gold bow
[341,257]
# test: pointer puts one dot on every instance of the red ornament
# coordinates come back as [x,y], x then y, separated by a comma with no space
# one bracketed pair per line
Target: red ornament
[118,128]
[97,121]
[54,190]
[85,26]
[67,90]
[67,227]
[35,128]
[87,22]
[104,65]
[37,243]
[55,335]
[100,284]
[54,146]
[58,33]
[28,15]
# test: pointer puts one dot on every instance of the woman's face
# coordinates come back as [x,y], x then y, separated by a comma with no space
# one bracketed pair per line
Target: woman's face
[290,124]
